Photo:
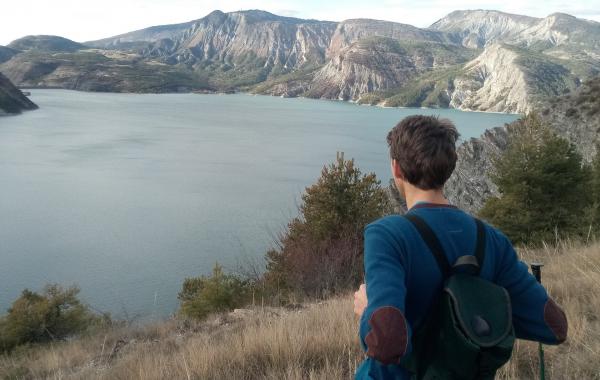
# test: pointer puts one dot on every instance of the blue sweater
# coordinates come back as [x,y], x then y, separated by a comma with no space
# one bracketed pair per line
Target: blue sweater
[403,279]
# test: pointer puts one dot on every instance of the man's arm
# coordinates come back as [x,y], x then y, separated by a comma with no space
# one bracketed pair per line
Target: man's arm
[535,315]
[384,331]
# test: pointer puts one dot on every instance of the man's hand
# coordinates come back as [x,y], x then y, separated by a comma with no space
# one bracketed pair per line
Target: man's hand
[360,300]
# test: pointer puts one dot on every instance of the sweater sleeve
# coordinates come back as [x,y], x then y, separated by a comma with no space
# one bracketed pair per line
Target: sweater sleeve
[535,315]
[384,331]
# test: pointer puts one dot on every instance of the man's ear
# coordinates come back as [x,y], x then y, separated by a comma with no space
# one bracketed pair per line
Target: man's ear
[396,170]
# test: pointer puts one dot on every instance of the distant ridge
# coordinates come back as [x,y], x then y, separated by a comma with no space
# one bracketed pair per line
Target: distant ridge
[46,43]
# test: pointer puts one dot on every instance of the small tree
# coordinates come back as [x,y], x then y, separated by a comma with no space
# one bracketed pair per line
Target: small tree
[541,181]
[342,200]
[203,295]
[321,252]
[55,314]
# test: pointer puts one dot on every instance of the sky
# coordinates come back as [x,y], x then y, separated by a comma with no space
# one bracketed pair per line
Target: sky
[86,20]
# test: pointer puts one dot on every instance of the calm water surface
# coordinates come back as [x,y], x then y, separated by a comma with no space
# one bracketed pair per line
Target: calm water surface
[126,195]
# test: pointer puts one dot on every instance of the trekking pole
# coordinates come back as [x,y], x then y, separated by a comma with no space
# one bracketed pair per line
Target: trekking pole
[536,269]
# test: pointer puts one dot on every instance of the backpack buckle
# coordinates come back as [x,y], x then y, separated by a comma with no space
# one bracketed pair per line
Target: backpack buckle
[466,264]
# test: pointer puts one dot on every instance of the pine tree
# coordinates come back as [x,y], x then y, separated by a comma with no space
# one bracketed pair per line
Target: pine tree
[541,181]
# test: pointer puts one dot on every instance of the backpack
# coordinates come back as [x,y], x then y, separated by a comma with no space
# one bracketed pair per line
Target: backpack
[468,333]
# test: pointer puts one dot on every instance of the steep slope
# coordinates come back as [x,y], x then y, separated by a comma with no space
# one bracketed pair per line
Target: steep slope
[470,184]
[503,78]
[7,53]
[274,40]
[380,64]
[507,79]
[370,55]
[226,51]
[575,116]
[560,29]
[141,38]
[12,101]
[233,38]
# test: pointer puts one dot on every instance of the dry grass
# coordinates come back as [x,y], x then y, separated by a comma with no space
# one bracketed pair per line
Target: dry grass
[316,342]
[572,277]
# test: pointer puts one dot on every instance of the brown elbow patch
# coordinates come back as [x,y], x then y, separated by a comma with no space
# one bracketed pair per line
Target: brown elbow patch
[387,341]
[556,320]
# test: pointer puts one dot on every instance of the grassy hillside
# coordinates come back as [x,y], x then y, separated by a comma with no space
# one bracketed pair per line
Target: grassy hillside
[315,341]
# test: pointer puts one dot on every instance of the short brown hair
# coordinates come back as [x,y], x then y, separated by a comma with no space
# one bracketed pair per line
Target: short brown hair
[425,149]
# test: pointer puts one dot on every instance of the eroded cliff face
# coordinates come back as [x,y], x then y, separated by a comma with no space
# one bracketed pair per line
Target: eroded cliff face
[574,116]
[493,81]
[470,184]
[376,64]
[507,79]
[235,37]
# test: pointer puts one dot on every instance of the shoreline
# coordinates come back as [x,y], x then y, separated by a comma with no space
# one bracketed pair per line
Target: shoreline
[350,102]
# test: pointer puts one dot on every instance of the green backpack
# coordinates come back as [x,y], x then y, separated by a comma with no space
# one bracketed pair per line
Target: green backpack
[468,334]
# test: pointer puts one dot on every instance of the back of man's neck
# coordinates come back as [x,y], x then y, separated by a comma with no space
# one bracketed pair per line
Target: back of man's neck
[414,196]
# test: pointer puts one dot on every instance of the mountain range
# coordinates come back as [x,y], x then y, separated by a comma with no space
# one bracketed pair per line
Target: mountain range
[472,60]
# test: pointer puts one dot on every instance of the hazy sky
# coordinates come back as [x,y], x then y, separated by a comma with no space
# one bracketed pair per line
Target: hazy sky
[84,20]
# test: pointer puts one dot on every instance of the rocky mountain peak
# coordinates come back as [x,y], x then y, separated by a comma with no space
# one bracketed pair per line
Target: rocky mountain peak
[257,15]
[478,28]
[564,16]
[214,16]
[353,30]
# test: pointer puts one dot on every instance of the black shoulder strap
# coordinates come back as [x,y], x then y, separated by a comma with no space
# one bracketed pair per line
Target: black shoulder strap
[432,242]
[435,246]
[480,245]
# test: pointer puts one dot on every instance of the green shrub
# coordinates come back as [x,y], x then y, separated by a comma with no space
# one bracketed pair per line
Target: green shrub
[56,314]
[321,251]
[541,180]
[218,292]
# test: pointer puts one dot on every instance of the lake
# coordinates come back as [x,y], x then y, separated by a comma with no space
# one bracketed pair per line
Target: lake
[125,195]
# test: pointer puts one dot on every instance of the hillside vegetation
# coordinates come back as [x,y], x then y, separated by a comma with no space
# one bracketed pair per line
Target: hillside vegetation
[312,341]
